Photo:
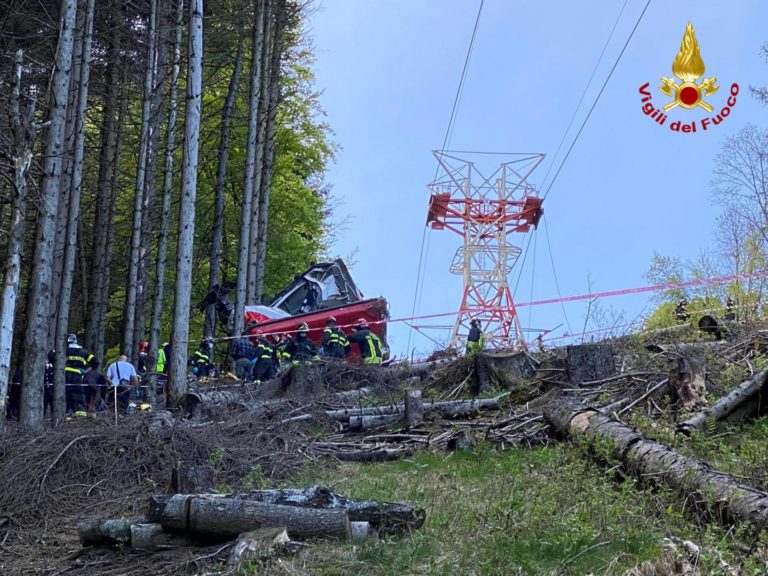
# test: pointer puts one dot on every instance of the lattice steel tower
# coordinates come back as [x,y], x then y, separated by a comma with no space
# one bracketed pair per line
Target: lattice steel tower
[484,210]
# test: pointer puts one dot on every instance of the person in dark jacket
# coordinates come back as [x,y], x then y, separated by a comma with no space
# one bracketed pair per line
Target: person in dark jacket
[74,369]
[201,360]
[243,352]
[95,386]
[264,360]
[300,347]
[475,338]
[335,343]
[371,347]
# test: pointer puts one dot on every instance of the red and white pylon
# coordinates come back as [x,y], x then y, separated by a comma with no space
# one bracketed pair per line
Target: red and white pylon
[484,210]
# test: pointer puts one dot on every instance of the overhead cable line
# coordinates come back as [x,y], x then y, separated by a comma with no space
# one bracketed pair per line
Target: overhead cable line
[597,99]
[424,251]
[584,92]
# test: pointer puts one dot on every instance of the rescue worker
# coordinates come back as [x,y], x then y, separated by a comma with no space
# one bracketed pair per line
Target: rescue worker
[123,377]
[730,314]
[476,338]
[143,349]
[371,347]
[282,354]
[200,360]
[265,360]
[243,352]
[300,347]
[161,358]
[680,310]
[74,369]
[335,343]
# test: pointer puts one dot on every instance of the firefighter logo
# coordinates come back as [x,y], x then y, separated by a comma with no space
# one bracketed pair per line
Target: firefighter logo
[688,66]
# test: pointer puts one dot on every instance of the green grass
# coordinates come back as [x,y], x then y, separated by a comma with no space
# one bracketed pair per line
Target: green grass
[546,511]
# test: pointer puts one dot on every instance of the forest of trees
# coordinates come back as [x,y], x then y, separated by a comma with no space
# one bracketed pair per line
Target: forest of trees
[150,150]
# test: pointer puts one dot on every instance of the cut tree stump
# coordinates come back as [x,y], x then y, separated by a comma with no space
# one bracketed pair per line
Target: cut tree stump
[747,400]
[687,382]
[414,408]
[589,362]
[730,501]
[509,369]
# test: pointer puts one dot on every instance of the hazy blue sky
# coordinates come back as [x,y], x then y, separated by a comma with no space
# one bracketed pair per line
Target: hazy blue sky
[389,70]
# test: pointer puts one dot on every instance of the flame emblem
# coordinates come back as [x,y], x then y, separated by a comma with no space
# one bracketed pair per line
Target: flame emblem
[688,66]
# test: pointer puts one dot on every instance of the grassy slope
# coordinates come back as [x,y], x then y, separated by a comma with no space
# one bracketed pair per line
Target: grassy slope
[546,511]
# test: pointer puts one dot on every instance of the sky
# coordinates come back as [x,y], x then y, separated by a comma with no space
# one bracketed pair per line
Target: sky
[389,69]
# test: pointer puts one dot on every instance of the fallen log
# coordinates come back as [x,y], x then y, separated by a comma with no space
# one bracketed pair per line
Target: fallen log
[365,456]
[105,531]
[227,516]
[730,501]
[748,399]
[378,415]
[212,404]
[153,537]
[386,517]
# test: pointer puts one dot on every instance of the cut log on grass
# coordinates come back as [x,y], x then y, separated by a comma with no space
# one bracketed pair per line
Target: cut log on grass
[748,399]
[646,460]
[360,423]
[386,517]
[365,456]
[687,381]
[227,516]
[106,531]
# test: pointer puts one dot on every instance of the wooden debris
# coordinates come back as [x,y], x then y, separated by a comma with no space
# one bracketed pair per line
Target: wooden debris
[256,545]
[191,479]
[151,536]
[508,369]
[414,407]
[748,399]
[687,382]
[226,516]
[643,458]
[106,531]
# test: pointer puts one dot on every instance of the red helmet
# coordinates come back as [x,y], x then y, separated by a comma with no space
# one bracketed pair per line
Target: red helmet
[361,323]
[303,327]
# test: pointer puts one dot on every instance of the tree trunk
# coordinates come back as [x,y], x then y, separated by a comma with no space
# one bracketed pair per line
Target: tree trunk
[23,134]
[728,500]
[250,162]
[214,277]
[224,517]
[269,144]
[749,397]
[75,189]
[162,236]
[35,349]
[62,218]
[387,517]
[263,108]
[98,291]
[414,407]
[150,187]
[132,282]
[178,372]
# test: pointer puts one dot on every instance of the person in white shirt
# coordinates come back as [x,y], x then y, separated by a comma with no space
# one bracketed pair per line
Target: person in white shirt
[122,375]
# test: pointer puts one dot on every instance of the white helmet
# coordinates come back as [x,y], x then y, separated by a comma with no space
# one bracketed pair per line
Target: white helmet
[71,339]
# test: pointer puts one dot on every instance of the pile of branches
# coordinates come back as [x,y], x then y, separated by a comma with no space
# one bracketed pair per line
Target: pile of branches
[92,466]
